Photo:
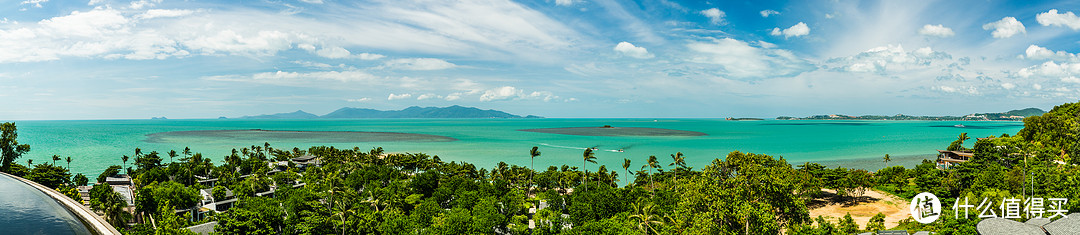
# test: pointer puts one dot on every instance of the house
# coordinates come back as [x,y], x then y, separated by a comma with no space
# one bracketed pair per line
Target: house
[304,161]
[948,159]
[121,179]
[216,204]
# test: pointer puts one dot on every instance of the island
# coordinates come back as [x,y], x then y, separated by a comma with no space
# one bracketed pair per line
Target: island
[1013,115]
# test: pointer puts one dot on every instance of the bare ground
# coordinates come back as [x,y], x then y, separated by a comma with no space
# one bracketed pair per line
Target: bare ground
[834,207]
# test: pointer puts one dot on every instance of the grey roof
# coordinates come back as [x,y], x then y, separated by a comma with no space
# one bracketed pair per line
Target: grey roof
[921,233]
[995,226]
[1069,225]
[1038,221]
[124,192]
[892,232]
[203,229]
[303,158]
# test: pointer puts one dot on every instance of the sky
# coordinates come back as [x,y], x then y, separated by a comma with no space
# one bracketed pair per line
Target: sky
[104,59]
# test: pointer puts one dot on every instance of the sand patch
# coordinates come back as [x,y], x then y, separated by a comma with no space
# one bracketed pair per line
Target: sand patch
[862,208]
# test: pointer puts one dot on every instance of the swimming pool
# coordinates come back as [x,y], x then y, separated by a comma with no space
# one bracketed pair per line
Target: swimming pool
[25,210]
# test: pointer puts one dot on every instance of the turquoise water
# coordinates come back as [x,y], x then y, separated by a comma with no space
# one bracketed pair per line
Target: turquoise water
[96,144]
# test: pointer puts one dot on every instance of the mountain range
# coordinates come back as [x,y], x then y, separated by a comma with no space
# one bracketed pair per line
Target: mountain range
[410,112]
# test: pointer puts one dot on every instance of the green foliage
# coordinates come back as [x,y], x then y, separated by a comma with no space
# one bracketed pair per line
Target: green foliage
[109,172]
[49,175]
[847,225]
[877,222]
[252,215]
[10,149]
[79,179]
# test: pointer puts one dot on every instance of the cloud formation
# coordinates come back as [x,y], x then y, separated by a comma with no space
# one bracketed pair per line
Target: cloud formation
[1035,52]
[796,30]
[767,12]
[630,50]
[716,16]
[1005,28]
[398,96]
[419,64]
[739,59]
[1052,17]
[936,31]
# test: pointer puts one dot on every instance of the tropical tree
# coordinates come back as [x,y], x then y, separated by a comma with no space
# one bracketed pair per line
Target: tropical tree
[958,144]
[626,167]
[68,162]
[535,152]
[55,158]
[652,164]
[887,159]
[172,154]
[678,161]
[124,158]
[10,148]
[645,217]
[587,156]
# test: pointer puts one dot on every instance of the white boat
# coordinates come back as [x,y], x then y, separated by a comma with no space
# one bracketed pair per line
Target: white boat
[959,125]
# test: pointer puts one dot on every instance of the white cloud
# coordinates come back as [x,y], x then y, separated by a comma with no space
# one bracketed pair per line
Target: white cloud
[564,2]
[1036,86]
[796,30]
[630,50]
[365,99]
[1052,17]
[738,59]
[1008,86]
[716,16]
[312,1]
[160,13]
[766,45]
[886,59]
[94,2]
[428,96]
[967,90]
[767,12]
[1006,27]
[35,3]
[1035,52]
[829,16]
[511,93]
[398,96]
[1051,69]
[369,56]
[936,30]
[142,3]
[1070,79]
[333,52]
[419,64]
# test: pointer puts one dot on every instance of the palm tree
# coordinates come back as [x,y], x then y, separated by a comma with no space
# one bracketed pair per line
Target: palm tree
[646,217]
[587,156]
[187,151]
[535,152]
[626,166]
[677,160]
[68,162]
[172,154]
[652,163]
[55,158]
[30,162]
[887,159]
[124,158]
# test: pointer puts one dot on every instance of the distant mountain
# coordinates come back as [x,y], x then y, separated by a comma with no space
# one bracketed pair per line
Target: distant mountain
[418,112]
[410,112]
[1013,115]
[299,114]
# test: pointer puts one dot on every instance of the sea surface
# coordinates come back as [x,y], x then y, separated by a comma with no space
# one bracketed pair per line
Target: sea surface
[96,144]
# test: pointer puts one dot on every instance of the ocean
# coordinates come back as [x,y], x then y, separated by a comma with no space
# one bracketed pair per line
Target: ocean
[96,144]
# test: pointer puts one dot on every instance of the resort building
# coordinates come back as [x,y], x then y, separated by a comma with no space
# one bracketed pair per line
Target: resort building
[949,159]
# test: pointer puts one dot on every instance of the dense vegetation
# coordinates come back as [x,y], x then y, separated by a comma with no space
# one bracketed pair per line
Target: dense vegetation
[370,192]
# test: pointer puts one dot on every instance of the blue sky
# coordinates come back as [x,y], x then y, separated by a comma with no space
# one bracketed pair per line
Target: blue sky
[103,59]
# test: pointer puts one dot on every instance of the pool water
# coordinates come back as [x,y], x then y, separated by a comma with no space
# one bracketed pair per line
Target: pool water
[25,210]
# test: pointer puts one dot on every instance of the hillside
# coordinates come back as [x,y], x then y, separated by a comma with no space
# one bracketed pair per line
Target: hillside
[1012,115]
[299,114]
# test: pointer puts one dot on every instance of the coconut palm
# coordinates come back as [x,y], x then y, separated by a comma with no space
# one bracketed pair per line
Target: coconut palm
[172,154]
[55,158]
[653,164]
[125,158]
[646,218]
[535,152]
[68,162]
[587,156]
[887,159]
[678,161]
[626,166]
[29,162]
